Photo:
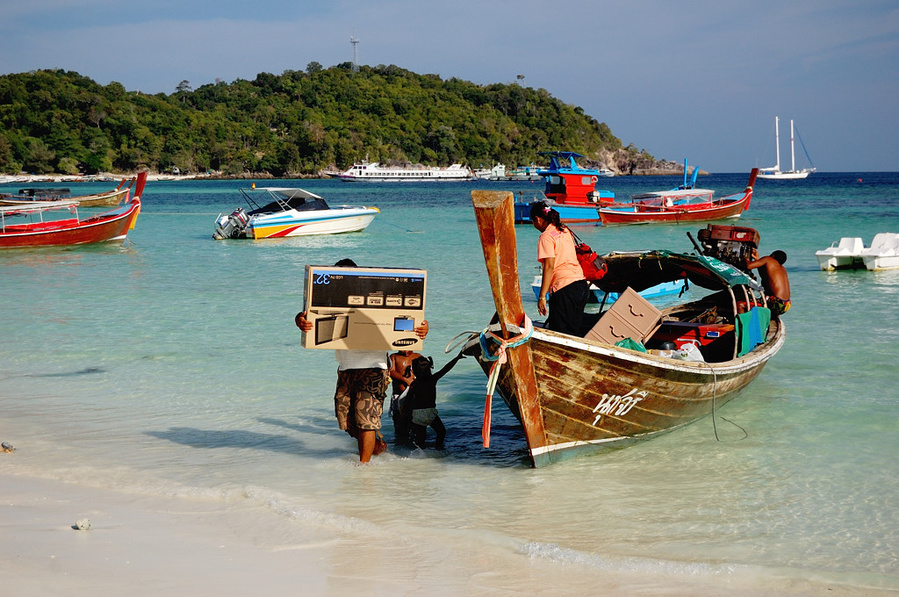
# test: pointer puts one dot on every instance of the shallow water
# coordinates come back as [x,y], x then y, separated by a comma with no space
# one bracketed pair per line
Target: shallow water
[171,366]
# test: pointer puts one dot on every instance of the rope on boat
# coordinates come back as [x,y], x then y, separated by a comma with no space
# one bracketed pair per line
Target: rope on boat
[499,357]
[714,410]
[452,344]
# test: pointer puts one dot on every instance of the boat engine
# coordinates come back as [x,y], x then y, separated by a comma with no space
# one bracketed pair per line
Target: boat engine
[231,226]
[730,244]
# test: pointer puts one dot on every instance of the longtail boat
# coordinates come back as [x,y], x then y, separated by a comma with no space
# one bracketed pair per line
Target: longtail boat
[40,229]
[679,205]
[105,199]
[574,395]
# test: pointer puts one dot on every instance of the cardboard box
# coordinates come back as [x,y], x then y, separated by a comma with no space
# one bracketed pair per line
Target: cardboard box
[632,316]
[364,308]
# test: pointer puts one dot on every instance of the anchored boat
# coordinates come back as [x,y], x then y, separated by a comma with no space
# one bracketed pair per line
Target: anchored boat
[56,223]
[679,205]
[279,212]
[366,171]
[105,199]
[617,385]
[570,190]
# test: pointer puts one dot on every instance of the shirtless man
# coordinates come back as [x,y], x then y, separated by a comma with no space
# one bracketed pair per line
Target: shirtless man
[774,279]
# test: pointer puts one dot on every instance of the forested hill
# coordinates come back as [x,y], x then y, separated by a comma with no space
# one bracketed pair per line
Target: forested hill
[294,124]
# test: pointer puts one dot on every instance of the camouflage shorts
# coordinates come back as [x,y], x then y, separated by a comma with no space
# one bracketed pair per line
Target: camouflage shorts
[359,399]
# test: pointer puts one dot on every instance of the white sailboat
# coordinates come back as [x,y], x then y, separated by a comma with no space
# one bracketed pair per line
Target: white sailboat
[775,171]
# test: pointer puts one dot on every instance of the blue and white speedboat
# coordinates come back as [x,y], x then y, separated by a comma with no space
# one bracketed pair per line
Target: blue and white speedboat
[279,212]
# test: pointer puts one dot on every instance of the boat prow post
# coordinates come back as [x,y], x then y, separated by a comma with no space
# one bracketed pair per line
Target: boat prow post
[495,215]
[141,182]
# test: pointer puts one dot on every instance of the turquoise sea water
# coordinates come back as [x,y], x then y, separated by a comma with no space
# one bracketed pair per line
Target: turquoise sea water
[171,366]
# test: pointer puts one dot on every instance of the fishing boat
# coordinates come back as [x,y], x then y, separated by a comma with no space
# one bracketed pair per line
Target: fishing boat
[366,171]
[279,212]
[851,253]
[54,223]
[577,395]
[104,199]
[774,172]
[570,190]
[679,205]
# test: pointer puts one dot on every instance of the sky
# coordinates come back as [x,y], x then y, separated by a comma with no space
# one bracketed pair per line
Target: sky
[698,79]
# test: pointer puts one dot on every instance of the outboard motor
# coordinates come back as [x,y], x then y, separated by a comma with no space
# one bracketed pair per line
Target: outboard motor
[232,226]
[730,244]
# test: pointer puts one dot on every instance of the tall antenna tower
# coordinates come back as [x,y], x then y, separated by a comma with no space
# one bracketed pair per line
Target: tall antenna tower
[355,41]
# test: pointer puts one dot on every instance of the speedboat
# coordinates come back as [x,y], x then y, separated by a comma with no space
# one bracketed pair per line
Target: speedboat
[279,212]
[851,253]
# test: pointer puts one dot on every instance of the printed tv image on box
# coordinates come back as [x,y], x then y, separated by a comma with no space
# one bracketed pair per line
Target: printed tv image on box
[364,308]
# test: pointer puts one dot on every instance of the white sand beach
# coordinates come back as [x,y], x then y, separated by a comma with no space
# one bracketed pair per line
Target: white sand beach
[139,545]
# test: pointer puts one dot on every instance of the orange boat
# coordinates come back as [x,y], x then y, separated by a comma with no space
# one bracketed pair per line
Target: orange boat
[42,229]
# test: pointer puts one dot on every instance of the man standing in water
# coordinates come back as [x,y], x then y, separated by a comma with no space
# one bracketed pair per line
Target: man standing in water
[774,279]
[362,381]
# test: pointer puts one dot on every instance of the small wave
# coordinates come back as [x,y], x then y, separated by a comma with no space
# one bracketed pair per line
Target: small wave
[553,553]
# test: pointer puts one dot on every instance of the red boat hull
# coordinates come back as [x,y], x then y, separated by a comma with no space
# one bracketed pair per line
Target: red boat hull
[726,207]
[109,226]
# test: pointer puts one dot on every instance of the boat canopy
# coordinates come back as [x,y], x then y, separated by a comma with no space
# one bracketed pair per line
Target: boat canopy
[642,270]
[37,206]
[282,199]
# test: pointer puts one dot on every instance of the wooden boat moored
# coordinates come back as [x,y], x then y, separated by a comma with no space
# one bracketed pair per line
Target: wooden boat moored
[37,231]
[678,206]
[105,199]
[575,395]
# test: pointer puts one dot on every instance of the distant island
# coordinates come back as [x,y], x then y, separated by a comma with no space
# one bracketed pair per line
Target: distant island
[297,124]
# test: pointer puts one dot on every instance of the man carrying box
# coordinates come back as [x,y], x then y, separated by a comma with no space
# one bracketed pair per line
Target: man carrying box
[362,382]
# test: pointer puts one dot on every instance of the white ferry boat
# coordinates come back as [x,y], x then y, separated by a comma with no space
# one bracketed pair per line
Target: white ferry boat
[365,171]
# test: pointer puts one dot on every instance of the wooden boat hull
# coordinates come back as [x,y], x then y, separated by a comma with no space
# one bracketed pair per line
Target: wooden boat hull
[110,226]
[103,199]
[107,199]
[574,395]
[731,206]
[643,215]
[593,398]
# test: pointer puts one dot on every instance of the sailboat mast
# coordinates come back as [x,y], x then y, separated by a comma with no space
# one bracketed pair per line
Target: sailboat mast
[792,149]
[777,141]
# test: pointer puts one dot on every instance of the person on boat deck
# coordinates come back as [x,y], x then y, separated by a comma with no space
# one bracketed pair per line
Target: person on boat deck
[562,273]
[362,381]
[422,397]
[401,373]
[774,279]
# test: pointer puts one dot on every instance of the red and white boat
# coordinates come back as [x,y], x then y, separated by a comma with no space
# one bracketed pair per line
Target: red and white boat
[105,199]
[40,225]
[670,208]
